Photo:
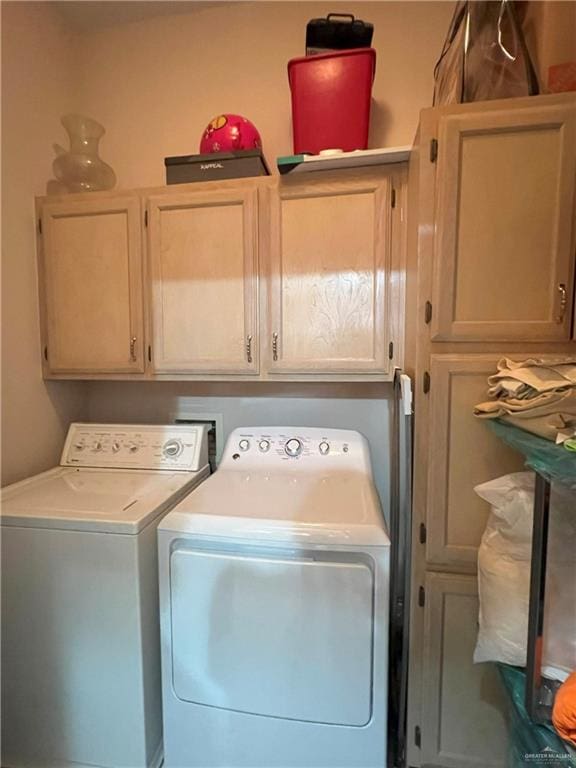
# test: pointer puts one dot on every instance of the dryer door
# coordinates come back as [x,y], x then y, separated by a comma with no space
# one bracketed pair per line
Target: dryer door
[275,636]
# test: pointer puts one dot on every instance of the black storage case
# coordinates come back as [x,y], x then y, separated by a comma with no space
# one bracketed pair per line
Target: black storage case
[337,32]
[215,166]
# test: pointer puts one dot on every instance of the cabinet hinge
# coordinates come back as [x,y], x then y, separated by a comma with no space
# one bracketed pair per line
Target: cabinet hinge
[393,198]
[421,597]
[427,312]
[422,533]
[391,350]
[426,382]
[433,150]
[149,353]
[146,218]
[40,226]
[46,353]
[417,736]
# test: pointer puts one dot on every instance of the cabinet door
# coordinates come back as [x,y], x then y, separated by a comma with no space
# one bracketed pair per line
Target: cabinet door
[504,247]
[328,299]
[463,452]
[203,265]
[463,704]
[91,286]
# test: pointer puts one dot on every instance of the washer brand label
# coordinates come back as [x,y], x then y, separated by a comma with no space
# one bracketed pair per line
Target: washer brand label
[210,166]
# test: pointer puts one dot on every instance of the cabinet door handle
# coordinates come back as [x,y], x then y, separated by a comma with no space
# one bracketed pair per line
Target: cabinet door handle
[563,302]
[249,349]
[275,346]
[133,349]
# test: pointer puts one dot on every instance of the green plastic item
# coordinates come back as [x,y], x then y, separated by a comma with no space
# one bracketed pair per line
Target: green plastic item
[531,744]
[337,160]
[552,461]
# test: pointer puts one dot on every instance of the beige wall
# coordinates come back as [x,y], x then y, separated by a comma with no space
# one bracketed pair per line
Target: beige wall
[363,407]
[37,87]
[155,84]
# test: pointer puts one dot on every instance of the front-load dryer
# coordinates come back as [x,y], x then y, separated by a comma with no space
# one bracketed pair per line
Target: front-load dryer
[274,579]
[80,632]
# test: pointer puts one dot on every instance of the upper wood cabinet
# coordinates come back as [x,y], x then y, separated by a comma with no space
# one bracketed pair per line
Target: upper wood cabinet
[90,268]
[329,257]
[505,221]
[204,286]
[270,278]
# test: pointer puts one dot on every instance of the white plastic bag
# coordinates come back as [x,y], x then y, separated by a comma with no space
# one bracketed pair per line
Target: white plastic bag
[504,575]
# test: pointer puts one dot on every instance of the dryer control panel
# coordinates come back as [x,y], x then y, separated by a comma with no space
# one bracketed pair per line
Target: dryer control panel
[306,447]
[181,447]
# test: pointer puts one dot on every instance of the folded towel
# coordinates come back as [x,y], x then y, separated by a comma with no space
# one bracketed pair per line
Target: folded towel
[538,396]
[564,711]
[561,402]
[531,377]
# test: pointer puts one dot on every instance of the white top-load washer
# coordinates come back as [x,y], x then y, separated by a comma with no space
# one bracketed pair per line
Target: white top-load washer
[274,579]
[80,631]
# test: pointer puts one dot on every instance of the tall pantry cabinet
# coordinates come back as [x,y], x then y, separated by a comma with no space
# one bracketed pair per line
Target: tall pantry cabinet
[491,257]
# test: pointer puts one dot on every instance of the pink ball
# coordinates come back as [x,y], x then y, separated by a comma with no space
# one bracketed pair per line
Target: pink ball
[229,133]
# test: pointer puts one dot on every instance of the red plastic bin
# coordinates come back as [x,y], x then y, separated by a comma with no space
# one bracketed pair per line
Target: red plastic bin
[331,100]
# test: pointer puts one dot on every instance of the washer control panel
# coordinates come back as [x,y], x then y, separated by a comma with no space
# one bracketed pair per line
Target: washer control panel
[136,446]
[268,447]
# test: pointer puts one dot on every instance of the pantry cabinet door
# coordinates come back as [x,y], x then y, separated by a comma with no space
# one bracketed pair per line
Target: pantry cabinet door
[505,223]
[463,452]
[90,274]
[463,704]
[203,269]
[329,267]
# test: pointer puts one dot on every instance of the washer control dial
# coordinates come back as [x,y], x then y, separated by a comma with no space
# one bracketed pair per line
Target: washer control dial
[264,445]
[244,444]
[133,448]
[172,448]
[324,447]
[293,447]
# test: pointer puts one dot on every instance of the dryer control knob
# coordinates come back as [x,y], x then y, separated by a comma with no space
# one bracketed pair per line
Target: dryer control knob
[293,447]
[172,448]
[264,445]
[324,447]
[244,444]
[133,448]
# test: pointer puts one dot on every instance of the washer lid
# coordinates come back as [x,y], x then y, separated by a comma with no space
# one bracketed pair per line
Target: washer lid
[289,507]
[107,501]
